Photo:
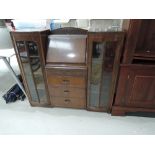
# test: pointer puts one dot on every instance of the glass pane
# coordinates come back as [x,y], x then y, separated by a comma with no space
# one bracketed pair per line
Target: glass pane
[96,73]
[36,70]
[27,69]
[108,62]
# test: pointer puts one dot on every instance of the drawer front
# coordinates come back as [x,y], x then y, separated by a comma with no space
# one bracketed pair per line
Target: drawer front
[68,102]
[67,92]
[78,82]
[66,72]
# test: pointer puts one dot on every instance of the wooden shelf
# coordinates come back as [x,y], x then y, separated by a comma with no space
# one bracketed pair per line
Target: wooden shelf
[144,58]
[144,53]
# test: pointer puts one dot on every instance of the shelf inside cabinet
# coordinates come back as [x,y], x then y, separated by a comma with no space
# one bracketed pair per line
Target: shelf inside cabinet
[143,62]
[144,53]
[144,58]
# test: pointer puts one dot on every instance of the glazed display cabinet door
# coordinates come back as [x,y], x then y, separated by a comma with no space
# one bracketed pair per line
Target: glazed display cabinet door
[31,66]
[102,71]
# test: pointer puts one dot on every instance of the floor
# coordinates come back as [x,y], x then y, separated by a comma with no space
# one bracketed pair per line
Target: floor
[20,118]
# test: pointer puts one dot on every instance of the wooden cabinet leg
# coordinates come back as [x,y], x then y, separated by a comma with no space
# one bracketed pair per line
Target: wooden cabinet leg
[118,113]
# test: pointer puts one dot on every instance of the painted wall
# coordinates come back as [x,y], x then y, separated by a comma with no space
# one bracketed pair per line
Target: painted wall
[89,24]
[93,24]
[5,39]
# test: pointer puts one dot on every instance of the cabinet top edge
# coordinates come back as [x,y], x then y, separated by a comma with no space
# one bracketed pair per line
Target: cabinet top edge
[29,30]
[107,32]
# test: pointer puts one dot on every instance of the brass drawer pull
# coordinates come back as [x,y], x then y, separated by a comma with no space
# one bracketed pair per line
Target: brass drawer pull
[66,81]
[67,101]
[66,91]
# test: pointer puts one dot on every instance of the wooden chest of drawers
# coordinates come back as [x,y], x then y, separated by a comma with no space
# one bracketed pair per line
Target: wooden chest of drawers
[67,87]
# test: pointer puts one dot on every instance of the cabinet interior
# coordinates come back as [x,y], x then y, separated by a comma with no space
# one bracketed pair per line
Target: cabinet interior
[145,46]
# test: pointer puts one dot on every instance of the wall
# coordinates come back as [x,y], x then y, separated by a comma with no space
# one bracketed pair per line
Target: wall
[89,24]
[94,24]
[5,39]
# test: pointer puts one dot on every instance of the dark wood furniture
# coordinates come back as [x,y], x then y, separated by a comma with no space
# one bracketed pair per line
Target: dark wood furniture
[67,86]
[136,86]
[66,68]
[104,54]
[69,67]
[30,48]
[140,43]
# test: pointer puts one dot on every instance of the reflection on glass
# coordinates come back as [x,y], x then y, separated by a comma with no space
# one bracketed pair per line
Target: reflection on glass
[107,73]
[29,55]
[36,70]
[66,49]
[103,55]
[27,69]
[60,44]
[96,73]
[71,55]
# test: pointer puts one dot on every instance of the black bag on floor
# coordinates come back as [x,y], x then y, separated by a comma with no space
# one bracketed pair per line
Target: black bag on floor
[14,93]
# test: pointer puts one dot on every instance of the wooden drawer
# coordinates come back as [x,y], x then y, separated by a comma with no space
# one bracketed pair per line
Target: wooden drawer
[67,92]
[69,81]
[66,71]
[68,102]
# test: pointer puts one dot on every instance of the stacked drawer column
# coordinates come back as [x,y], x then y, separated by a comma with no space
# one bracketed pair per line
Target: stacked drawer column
[67,87]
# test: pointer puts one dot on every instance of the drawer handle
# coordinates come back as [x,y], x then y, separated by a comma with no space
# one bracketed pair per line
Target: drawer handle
[66,91]
[65,81]
[67,101]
